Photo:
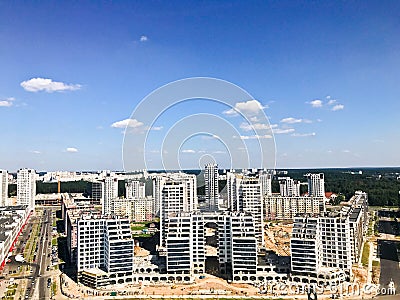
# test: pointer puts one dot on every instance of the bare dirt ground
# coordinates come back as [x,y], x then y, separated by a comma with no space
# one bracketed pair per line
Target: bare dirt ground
[277,237]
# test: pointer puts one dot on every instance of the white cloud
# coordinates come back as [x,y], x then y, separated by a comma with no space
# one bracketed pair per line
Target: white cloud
[7,102]
[156,128]
[251,107]
[283,131]
[331,102]
[219,152]
[130,123]
[144,38]
[254,119]
[36,152]
[291,120]
[303,134]
[346,151]
[188,151]
[338,107]
[71,150]
[256,126]
[47,85]
[253,137]
[316,103]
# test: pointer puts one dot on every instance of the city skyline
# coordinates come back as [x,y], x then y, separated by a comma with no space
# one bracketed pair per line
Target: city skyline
[324,74]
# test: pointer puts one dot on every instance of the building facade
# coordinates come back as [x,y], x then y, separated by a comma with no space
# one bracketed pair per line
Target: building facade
[316,185]
[110,193]
[26,188]
[105,251]
[278,207]
[4,188]
[134,189]
[289,187]
[211,186]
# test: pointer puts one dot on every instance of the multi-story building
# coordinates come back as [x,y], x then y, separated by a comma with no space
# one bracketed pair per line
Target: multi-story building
[134,189]
[105,251]
[285,208]
[26,188]
[71,212]
[245,195]
[237,244]
[324,246]
[266,183]
[316,185]
[12,221]
[289,187]
[4,188]
[98,192]
[211,186]
[178,194]
[135,209]
[110,193]
[185,243]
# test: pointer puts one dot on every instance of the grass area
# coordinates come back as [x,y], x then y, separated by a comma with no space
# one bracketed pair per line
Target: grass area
[54,288]
[138,227]
[365,255]
[376,263]
[54,222]
[54,242]
[142,235]
[10,293]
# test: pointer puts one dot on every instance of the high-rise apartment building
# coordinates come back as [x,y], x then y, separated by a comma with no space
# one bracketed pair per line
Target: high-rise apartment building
[178,193]
[98,192]
[289,187]
[211,186]
[266,183]
[110,193]
[326,245]
[134,189]
[26,187]
[245,195]
[316,186]
[237,244]
[105,251]
[4,188]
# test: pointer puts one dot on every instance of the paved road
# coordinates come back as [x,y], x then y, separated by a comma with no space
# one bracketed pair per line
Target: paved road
[43,258]
[389,263]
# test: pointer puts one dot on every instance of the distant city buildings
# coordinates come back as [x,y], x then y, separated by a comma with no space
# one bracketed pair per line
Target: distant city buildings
[26,188]
[324,244]
[4,188]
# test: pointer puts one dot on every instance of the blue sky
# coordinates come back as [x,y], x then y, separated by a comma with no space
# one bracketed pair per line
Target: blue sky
[70,70]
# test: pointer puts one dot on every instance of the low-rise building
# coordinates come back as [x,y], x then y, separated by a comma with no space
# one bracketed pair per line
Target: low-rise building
[12,220]
[279,207]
